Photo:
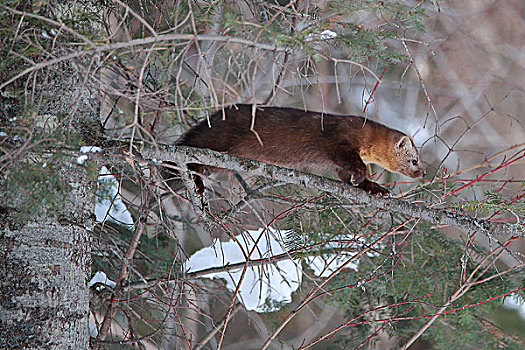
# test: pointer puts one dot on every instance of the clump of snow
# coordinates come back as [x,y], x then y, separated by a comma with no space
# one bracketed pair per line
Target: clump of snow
[275,282]
[92,326]
[108,202]
[81,159]
[89,149]
[515,301]
[100,277]
[327,34]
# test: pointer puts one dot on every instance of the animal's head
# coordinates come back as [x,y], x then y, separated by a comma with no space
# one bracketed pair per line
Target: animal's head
[406,158]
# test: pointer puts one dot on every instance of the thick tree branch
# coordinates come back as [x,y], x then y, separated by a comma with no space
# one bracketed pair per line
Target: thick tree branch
[182,155]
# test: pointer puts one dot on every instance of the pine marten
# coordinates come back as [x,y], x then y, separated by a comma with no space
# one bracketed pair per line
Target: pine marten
[298,139]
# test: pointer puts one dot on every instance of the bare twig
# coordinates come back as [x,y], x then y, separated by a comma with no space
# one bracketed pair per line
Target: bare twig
[285,59]
[471,281]
[215,329]
[139,42]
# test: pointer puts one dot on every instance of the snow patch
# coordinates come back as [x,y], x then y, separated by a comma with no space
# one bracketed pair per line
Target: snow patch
[324,35]
[100,277]
[274,283]
[327,34]
[323,267]
[90,149]
[266,287]
[516,302]
[81,159]
[108,202]
[92,326]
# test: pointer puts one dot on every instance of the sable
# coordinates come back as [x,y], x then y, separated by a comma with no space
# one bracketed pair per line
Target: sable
[293,138]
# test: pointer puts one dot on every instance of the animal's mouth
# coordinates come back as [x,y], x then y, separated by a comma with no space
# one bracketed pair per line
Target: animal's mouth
[420,173]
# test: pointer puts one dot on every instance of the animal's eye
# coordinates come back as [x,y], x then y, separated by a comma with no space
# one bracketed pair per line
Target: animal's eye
[414,162]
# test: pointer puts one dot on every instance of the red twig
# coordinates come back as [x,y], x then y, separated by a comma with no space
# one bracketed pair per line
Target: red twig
[467,306]
[374,90]
[501,166]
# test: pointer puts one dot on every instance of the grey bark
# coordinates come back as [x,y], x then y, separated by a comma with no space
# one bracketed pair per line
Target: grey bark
[45,266]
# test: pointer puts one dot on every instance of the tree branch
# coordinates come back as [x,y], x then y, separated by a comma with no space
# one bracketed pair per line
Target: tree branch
[139,42]
[182,155]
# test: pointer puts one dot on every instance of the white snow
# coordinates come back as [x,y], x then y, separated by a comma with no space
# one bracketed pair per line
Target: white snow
[81,159]
[3,134]
[327,34]
[100,277]
[323,267]
[92,326]
[108,204]
[515,301]
[324,35]
[273,282]
[89,149]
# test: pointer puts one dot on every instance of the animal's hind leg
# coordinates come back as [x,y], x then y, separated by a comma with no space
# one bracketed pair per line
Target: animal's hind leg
[205,170]
[197,179]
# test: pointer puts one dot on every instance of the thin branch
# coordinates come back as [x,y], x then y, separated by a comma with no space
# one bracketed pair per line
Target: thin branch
[138,42]
[124,268]
[286,57]
[216,328]
[236,266]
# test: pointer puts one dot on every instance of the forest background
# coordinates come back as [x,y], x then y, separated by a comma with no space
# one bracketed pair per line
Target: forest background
[94,243]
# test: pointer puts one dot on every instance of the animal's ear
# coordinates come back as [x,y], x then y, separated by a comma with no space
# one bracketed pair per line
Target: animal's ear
[404,143]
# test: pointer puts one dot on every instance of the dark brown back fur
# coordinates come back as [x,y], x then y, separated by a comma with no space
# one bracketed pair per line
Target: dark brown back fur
[290,137]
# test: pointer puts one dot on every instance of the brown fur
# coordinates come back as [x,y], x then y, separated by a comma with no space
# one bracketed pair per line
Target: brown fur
[299,139]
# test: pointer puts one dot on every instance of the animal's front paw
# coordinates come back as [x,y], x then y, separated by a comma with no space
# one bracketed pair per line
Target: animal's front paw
[357,176]
[373,188]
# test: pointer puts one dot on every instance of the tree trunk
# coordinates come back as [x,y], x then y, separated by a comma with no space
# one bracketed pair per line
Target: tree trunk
[45,267]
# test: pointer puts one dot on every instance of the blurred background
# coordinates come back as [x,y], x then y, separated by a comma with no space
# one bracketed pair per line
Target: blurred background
[258,264]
